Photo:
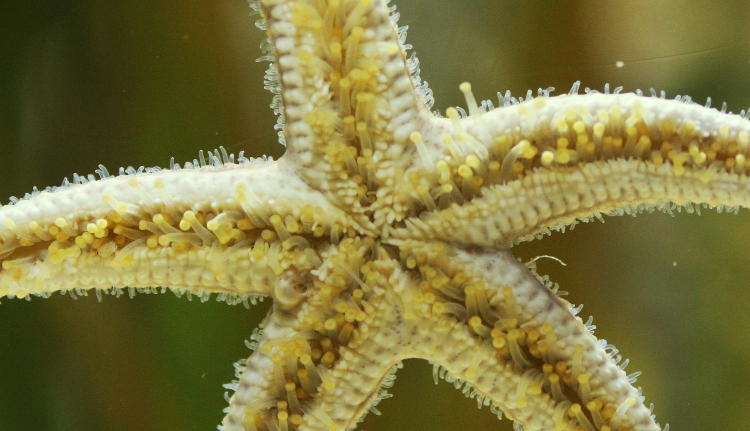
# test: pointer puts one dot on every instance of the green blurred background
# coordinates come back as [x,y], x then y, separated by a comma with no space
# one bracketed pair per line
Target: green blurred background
[119,83]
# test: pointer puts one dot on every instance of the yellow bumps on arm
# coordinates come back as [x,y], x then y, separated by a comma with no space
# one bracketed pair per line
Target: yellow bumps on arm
[560,167]
[110,232]
[382,232]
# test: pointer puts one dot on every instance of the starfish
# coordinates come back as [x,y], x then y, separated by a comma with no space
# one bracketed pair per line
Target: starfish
[384,232]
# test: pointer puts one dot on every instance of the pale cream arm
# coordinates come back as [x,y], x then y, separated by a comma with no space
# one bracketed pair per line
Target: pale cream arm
[522,170]
[487,321]
[183,229]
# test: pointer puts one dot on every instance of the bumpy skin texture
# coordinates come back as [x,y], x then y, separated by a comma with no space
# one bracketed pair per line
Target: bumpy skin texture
[384,231]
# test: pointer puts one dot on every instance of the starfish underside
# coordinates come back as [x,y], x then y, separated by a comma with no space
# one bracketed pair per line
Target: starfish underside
[384,231]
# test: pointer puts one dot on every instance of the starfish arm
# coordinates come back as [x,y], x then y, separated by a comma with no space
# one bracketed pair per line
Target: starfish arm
[549,162]
[491,323]
[349,102]
[323,363]
[178,228]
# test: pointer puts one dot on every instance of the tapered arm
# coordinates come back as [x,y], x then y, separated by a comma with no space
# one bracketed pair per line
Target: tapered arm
[174,228]
[549,162]
[345,93]
[322,364]
[491,323]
